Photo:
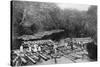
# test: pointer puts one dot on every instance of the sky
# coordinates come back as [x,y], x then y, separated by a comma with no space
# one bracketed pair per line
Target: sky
[80,7]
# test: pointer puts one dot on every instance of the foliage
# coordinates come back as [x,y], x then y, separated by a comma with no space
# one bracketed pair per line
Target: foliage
[32,17]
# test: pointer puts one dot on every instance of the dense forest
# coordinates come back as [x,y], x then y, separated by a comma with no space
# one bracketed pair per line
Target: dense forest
[29,18]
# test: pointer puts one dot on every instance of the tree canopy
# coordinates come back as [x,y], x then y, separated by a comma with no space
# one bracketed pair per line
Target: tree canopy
[32,17]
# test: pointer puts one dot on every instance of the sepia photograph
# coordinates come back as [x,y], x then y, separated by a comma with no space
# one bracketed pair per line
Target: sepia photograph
[45,33]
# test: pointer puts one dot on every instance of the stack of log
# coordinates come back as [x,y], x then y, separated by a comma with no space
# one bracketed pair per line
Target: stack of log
[23,54]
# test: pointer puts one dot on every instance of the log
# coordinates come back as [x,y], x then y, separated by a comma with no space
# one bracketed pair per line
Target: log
[15,59]
[44,57]
[30,58]
[23,60]
[34,56]
[16,64]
